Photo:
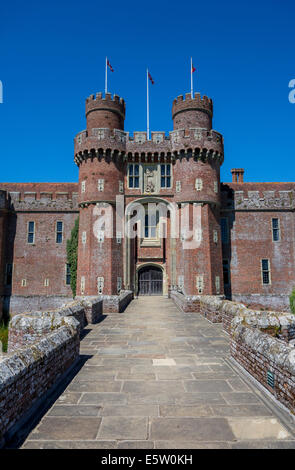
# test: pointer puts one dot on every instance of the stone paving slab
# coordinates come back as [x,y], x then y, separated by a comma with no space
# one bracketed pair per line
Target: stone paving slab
[157,378]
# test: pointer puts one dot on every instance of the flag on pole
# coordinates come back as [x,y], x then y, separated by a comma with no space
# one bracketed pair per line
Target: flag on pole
[151,79]
[109,65]
[148,77]
[192,71]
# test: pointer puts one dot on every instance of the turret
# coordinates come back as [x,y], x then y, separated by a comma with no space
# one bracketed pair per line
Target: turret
[105,112]
[191,112]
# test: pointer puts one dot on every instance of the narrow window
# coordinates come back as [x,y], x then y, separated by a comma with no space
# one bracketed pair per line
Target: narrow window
[198,184]
[215,236]
[23,282]
[217,284]
[119,237]
[224,229]
[200,284]
[121,186]
[265,271]
[119,284]
[100,185]
[133,175]
[46,282]
[151,222]
[178,186]
[59,232]
[275,229]
[166,176]
[82,285]
[31,232]
[215,186]
[8,274]
[68,274]
[100,284]
[83,186]
[226,277]
[83,238]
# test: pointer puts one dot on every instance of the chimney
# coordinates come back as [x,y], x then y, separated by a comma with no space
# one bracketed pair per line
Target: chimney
[237,175]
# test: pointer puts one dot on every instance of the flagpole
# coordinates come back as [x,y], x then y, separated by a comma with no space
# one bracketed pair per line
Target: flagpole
[147,105]
[106,77]
[192,91]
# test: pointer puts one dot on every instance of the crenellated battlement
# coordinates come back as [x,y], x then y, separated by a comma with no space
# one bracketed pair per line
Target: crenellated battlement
[187,103]
[42,196]
[108,102]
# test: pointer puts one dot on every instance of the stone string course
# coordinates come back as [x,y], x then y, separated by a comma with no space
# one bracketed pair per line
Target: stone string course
[261,341]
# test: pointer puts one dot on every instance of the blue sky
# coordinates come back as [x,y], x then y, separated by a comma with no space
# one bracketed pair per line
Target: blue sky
[53,54]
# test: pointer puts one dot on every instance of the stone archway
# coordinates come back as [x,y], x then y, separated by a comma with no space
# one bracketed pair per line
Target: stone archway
[150,280]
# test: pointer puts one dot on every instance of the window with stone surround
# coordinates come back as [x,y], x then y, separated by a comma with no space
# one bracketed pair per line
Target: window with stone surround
[83,238]
[215,186]
[265,271]
[31,232]
[83,186]
[165,175]
[46,282]
[59,232]
[224,229]
[275,225]
[151,224]
[133,175]
[178,186]
[24,283]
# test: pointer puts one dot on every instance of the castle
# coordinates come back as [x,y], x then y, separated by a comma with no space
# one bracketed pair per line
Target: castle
[242,233]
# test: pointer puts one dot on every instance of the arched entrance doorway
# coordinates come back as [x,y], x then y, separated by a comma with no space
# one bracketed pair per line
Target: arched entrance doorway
[150,281]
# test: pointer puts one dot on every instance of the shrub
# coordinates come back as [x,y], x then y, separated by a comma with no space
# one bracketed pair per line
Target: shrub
[72,255]
[292,301]
[4,335]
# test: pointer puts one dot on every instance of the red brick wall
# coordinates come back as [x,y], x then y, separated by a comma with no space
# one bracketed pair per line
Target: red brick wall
[46,204]
[251,240]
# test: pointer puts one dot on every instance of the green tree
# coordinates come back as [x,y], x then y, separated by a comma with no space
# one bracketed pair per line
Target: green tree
[72,255]
[292,301]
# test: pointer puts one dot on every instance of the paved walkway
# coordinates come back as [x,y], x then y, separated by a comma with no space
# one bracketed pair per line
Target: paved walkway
[159,378]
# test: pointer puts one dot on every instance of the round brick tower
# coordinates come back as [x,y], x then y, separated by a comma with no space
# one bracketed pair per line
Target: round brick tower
[98,153]
[199,153]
